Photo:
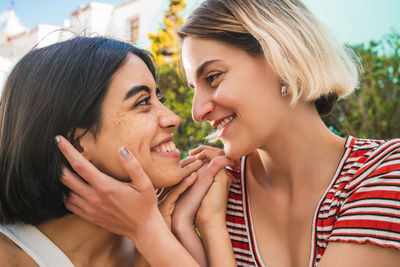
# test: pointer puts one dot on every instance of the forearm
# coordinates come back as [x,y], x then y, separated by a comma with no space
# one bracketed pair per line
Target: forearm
[189,238]
[159,246]
[218,246]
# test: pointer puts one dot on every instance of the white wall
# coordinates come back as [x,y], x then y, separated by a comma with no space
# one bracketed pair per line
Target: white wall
[5,66]
[95,19]
[119,26]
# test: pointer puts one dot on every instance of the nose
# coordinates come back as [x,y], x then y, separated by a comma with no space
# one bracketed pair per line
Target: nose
[168,119]
[202,105]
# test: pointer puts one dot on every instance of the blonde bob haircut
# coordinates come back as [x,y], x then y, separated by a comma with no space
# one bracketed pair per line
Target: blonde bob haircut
[312,64]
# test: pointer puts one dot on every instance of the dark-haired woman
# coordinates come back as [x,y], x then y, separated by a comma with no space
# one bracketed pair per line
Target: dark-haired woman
[101,95]
[263,72]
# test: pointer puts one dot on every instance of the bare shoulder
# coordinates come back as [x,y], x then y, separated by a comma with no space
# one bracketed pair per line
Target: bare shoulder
[12,256]
[354,255]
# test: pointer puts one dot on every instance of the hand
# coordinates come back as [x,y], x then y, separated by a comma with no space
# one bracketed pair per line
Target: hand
[167,203]
[189,203]
[125,208]
[120,207]
[212,211]
[186,207]
[208,153]
[213,207]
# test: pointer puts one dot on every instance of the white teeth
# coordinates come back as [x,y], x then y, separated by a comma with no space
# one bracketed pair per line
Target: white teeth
[224,122]
[173,146]
[166,147]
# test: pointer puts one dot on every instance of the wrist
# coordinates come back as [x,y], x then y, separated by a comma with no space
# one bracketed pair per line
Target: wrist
[211,225]
[153,226]
[182,226]
[182,220]
[157,243]
[217,242]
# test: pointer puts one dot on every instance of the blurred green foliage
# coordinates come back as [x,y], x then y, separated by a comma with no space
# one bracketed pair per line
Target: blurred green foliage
[166,49]
[372,111]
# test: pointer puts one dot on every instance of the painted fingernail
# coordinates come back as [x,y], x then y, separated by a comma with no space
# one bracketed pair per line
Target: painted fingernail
[57,139]
[124,152]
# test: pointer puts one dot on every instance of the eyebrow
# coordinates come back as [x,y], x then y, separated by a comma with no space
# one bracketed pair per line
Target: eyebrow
[200,69]
[135,90]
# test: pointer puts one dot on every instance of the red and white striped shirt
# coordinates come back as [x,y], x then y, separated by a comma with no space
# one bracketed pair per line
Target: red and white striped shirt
[361,204]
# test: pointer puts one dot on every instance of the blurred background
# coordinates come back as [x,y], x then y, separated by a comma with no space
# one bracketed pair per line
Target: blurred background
[370,27]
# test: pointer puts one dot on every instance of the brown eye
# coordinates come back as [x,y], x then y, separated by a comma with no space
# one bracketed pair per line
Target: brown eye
[143,102]
[212,77]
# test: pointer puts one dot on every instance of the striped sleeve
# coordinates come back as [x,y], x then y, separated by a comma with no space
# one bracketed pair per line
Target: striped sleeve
[371,210]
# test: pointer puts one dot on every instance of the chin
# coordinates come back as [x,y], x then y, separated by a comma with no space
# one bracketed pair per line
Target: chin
[231,153]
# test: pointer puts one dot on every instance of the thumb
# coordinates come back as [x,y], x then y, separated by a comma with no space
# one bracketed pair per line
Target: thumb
[139,178]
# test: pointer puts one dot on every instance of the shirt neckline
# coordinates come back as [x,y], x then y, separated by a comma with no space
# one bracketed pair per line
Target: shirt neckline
[349,142]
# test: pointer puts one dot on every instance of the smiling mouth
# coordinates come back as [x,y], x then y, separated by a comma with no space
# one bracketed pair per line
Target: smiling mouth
[222,123]
[165,147]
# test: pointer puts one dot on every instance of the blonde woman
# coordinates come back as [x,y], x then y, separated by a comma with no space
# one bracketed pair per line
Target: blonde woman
[263,72]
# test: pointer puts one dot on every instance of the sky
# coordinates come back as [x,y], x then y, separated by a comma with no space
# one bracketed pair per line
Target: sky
[351,21]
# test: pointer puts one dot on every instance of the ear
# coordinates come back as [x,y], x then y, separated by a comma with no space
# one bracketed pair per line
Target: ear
[83,142]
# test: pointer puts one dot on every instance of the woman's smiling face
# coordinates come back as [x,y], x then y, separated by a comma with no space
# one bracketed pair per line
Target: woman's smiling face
[133,116]
[236,92]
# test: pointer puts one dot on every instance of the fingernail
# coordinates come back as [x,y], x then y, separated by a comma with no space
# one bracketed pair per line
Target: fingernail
[57,139]
[199,161]
[124,152]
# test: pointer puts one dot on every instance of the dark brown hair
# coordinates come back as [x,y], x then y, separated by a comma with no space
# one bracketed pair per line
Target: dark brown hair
[51,91]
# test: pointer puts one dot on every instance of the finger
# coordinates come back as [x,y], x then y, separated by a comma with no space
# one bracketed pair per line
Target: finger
[197,191]
[77,201]
[73,182]
[139,178]
[81,165]
[219,163]
[87,210]
[199,149]
[176,191]
[210,154]
[192,167]
[187,161]
[77,210]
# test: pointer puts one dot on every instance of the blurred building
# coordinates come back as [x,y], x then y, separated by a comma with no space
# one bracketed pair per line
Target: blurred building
[129,21]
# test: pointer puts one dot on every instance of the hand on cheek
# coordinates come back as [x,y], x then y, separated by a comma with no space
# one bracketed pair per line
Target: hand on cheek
[125,208]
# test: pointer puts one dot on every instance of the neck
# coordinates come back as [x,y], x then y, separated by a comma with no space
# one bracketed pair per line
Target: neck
[84,242]
[302,153]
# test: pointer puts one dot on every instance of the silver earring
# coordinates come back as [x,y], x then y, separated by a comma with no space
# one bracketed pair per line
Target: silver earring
[283,88]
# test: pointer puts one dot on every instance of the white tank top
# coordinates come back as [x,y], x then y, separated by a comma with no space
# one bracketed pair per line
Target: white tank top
[41,249]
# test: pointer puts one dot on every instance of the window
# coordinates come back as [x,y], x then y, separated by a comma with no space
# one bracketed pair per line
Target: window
[134,29]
